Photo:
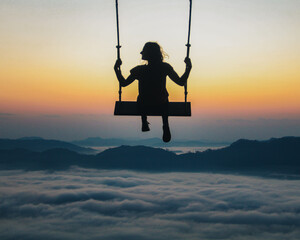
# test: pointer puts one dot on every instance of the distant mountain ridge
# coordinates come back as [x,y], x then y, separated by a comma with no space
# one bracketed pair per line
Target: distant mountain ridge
[39,145]
[272,156]
[154,142]
[30,138]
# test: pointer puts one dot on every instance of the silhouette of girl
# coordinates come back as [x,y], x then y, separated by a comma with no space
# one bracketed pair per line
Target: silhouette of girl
[152,84]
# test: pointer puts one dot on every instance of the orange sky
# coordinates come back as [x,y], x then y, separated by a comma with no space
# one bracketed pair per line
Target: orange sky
[58,58]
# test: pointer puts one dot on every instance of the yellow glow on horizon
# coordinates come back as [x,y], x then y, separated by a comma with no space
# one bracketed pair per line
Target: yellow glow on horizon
[61,60]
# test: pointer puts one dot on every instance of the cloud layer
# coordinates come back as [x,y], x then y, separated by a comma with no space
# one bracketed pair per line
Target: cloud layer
[115,205]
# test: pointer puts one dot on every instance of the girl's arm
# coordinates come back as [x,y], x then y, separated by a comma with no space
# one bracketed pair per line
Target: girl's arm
[123,82]
[181,80]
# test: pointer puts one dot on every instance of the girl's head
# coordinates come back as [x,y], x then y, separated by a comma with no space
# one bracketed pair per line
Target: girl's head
[152,52]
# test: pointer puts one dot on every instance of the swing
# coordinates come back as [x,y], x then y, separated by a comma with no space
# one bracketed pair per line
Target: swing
[130,108]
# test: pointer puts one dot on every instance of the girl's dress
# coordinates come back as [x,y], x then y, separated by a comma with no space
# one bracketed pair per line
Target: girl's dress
[153,95]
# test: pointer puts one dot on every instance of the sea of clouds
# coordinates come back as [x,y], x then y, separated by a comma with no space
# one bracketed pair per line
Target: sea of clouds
[120,205]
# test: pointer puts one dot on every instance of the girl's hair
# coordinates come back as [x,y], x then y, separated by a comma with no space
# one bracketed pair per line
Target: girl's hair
[155,51]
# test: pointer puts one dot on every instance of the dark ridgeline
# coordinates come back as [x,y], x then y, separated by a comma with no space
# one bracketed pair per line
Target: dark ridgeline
[39,145]
[54,159]
[273,156]
[154,142]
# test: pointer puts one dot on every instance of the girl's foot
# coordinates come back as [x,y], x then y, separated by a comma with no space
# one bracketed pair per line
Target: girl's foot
[145,126]
[167,134]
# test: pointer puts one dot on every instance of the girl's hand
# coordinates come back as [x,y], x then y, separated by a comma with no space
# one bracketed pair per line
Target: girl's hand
[118,64]
[188,63]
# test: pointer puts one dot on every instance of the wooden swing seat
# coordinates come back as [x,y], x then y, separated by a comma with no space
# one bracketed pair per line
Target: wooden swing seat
[130,108]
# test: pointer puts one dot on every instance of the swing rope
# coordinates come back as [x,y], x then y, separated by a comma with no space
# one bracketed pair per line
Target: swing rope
[188,45]
[118,46]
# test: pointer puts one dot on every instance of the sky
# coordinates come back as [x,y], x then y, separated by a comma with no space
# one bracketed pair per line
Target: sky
[57,79]
[114,205]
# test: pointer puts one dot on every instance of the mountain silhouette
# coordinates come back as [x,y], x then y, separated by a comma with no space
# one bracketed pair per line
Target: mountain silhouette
[40,145]
[274,154]
[137,158]
[154,142]
[30,138]
[248,156]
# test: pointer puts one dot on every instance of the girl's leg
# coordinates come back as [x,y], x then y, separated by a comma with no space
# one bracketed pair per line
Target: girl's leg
[144,118]
[166,129]
[165,120]
[145,124]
